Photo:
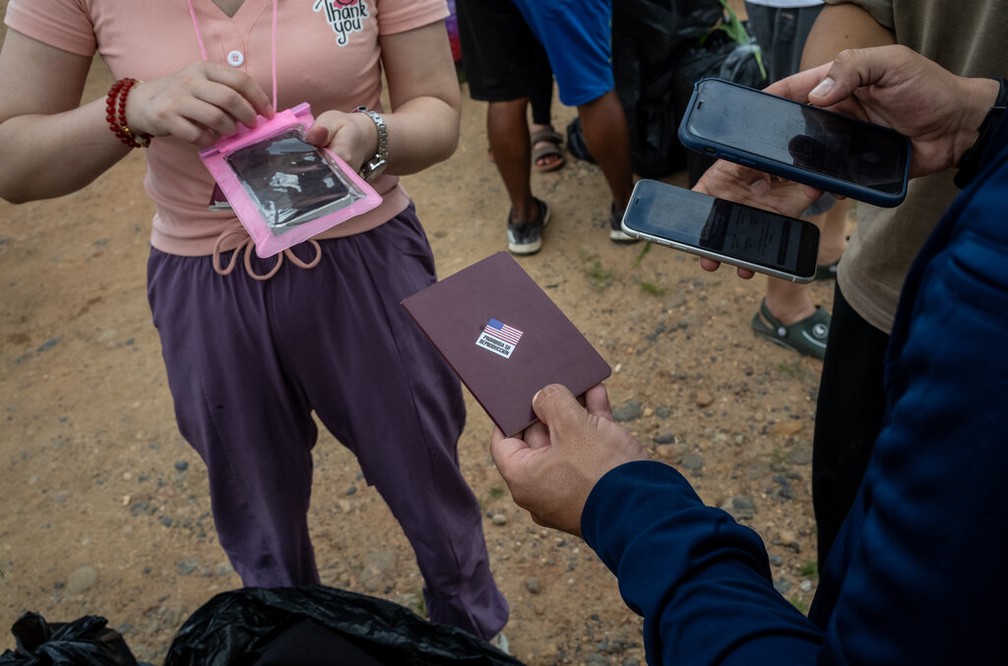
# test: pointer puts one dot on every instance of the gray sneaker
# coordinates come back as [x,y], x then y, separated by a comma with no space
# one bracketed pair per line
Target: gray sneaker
[616,233]
[527,238]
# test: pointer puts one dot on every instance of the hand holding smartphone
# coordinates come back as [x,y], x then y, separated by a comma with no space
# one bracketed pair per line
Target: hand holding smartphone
[800,142]
[729,232]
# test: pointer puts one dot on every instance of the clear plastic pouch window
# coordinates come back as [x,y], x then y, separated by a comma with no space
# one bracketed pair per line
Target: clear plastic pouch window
[283,189]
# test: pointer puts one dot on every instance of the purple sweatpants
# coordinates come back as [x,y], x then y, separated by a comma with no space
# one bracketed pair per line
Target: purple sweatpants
[249,361]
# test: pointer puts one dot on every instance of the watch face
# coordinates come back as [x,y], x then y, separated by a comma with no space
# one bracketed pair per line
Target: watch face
[372,169]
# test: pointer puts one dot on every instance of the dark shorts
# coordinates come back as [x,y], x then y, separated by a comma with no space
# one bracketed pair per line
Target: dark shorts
[781,35]
[501,57]
[577,36]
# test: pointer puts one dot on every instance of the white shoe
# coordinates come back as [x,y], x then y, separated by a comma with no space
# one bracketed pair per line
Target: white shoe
[500,642]
[616,233]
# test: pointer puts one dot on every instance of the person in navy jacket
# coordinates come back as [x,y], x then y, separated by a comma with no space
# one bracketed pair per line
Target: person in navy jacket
[917,573]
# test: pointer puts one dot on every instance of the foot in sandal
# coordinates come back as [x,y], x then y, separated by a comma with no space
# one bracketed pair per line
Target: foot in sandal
[547,149]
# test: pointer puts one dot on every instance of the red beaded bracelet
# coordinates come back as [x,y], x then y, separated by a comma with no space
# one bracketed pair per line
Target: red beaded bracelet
[115,114]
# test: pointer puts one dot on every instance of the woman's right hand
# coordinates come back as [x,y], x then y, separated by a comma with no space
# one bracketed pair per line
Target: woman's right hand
[197,104]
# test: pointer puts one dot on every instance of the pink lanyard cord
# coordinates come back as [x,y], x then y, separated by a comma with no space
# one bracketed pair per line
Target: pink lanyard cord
[273,49]
[246,245]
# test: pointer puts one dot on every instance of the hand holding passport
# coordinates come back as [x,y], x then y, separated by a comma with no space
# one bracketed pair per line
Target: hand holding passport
[505,338]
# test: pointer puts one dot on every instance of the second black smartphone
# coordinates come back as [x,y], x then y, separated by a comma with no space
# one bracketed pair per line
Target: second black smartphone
[728,232]
[803,143]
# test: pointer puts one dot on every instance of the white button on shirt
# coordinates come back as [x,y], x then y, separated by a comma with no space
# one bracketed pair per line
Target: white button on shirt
[236,58]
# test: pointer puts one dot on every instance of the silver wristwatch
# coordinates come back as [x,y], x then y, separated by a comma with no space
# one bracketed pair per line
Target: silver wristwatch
[374,166]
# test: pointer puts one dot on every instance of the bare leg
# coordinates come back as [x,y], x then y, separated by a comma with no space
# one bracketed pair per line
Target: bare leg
[508,133]
[605,131]
[787,301]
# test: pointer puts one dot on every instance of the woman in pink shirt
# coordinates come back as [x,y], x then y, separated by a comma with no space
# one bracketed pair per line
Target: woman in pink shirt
[252,353]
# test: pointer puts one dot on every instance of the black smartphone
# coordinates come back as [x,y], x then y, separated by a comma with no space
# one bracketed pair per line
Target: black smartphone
[803,143]
[729,232]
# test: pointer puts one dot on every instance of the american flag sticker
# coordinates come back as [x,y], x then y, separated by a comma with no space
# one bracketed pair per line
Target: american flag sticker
[499,338]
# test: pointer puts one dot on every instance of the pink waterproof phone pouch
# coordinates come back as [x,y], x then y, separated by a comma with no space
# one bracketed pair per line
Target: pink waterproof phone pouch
[283,189]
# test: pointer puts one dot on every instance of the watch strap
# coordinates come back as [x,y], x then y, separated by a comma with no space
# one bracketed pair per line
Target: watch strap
[377,162]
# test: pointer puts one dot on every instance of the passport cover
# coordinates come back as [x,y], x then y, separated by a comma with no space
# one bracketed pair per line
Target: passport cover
[505,338]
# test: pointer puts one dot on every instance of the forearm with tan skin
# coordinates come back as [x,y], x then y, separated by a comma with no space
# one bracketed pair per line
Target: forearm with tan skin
[425,101]
[42,122]
[51,145]
[840,27]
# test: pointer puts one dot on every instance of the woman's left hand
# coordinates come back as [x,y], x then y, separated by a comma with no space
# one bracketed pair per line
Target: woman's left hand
[351,136]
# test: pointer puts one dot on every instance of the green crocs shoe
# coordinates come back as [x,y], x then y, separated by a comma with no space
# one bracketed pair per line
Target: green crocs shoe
[807,336]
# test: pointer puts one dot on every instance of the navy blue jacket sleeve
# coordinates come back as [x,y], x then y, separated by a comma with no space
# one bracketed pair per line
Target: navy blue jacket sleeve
[700,580]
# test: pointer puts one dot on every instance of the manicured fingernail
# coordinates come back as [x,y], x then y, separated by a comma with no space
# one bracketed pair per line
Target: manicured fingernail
[823,88]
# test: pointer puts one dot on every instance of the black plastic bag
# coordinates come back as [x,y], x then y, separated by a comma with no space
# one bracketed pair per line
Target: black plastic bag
[319,625]
[649,37]
[717,56]
[83,642]
[659,48]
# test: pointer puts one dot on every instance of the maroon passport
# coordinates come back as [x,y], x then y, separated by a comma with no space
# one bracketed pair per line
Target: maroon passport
[505,338]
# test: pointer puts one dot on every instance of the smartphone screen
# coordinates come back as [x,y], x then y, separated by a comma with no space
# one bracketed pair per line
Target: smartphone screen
[733,233]
[798,141]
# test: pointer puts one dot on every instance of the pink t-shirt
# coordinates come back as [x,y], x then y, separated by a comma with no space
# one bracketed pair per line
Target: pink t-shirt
[327,55]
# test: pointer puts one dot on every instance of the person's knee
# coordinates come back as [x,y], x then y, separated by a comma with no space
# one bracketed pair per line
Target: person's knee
[603,117]
[601,100]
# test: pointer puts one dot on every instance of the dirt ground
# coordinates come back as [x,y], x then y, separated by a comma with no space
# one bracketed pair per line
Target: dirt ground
[105,507]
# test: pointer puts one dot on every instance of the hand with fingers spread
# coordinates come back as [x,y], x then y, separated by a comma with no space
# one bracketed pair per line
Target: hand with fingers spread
[552,467]
[897,87]
[197,104]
